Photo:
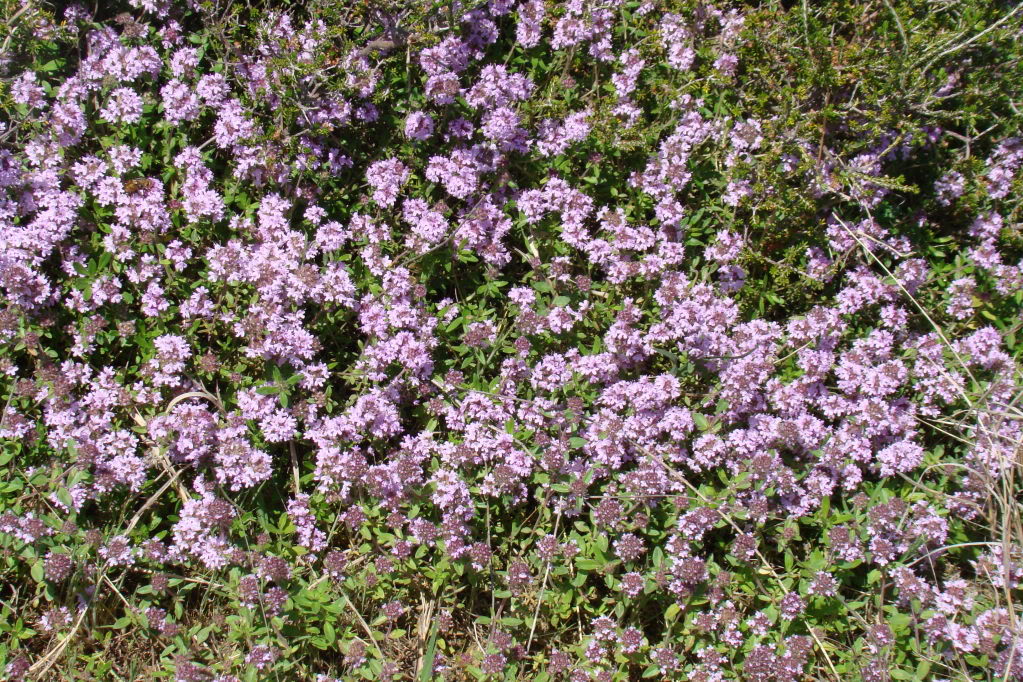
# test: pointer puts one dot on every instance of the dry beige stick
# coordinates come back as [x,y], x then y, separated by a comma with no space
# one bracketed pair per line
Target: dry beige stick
[294,469]
[50,658]
[423,627]
[152,500]
[362,621]
[161,457]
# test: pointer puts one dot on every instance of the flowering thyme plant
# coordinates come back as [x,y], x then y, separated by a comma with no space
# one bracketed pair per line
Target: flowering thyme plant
[515,339]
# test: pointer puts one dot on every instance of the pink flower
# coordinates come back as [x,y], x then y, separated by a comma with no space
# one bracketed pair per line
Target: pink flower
[386,178]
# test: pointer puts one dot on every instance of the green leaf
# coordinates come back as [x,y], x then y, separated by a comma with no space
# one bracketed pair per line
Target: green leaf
[37,571]
[899,622]
[125,621]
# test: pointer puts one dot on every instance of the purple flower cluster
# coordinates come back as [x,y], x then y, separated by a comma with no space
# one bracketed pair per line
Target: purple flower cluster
[386,178]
